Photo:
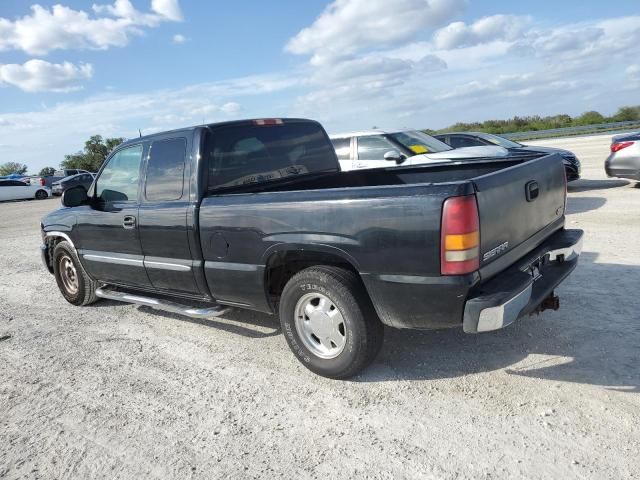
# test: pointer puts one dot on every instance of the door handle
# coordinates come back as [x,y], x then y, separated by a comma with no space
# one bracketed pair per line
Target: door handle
[129,221]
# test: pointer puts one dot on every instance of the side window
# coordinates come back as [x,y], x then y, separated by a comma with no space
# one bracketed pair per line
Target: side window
[459,141]
[165,170]
[374,147]
[342,147]
[119,179]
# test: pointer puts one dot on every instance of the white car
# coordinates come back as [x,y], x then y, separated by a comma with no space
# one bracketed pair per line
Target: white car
[17,190]
[377,148]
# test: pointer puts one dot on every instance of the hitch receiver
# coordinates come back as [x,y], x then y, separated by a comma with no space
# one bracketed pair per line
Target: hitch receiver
[552,302]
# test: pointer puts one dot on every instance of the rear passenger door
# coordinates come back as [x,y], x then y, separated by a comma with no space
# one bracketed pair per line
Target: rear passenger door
[164,213]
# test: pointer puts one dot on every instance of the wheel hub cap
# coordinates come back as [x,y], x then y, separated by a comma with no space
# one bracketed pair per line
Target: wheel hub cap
[68,275]
[320,325]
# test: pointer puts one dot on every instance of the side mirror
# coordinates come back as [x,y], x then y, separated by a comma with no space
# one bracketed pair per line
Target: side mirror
[394,156]
[75,196]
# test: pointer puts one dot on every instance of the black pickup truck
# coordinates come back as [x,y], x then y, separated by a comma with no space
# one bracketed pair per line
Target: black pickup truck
[256,214]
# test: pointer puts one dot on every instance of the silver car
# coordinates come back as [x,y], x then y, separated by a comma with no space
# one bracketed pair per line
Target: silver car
[385,148]
[624,160]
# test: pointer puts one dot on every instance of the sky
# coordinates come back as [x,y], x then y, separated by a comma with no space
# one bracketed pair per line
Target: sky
[70,69]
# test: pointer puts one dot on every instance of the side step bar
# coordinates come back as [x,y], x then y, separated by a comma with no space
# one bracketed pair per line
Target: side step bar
[161,304]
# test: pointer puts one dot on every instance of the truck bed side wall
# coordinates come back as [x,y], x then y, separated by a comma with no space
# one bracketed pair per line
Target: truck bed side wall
[391,235]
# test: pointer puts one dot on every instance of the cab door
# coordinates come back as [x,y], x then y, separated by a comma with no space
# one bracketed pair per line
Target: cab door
[165,213]
[108,239]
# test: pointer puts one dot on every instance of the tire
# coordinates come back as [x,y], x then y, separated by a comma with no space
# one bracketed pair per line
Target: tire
[75,285]
[334,345]
[41,195]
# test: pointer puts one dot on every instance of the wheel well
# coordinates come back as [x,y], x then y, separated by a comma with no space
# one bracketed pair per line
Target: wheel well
[284,265]
[50,243]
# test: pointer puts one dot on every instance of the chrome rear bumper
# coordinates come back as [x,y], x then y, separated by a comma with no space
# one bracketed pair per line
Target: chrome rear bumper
[520,289]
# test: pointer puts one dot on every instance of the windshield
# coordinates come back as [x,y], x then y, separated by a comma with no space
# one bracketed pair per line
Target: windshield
[419,142]
[500,141]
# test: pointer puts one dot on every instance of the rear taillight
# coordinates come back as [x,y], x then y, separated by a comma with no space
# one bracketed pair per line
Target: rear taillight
[42,182]
[460,230]
[616,147]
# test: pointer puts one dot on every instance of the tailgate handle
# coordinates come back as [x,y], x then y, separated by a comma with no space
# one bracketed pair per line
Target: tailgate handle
[532,190]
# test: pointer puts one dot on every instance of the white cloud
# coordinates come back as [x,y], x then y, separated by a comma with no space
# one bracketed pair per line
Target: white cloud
[231,108]
[39,75]
[513,85]
[487,29]
[348,26]
[179,39]
[63,127]
[168,9]
[633,73]
[62,28]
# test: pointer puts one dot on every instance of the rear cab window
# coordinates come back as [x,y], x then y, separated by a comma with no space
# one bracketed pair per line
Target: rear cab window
[256,152]
[165,170]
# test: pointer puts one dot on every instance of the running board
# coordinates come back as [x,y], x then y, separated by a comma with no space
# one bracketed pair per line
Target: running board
[160,304]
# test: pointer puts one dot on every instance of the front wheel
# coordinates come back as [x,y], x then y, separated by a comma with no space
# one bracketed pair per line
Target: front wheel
[75,285]
[329,322]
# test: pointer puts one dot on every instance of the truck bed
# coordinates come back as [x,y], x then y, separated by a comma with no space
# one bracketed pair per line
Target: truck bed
[390,232]
[421,174]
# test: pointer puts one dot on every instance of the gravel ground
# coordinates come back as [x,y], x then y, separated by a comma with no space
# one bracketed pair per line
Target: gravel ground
[118,391]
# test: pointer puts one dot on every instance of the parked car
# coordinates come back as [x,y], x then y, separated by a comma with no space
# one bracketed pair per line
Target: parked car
[58,175]
[256,214]
[473,139]
[17,190]
[68,172]
[376,148]
[624,160]
[17,176]
[84,179]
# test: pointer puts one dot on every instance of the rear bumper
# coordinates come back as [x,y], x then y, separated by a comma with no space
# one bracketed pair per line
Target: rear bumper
[520,289]
[622,173]
[622,167]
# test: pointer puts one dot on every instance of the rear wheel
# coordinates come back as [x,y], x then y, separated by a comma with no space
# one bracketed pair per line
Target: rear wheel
[75,285]
[41,195]
[329,322]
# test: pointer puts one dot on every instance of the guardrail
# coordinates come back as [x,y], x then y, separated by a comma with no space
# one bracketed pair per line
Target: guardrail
[570,131]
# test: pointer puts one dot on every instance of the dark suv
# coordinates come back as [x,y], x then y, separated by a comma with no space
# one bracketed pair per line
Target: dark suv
[475,139]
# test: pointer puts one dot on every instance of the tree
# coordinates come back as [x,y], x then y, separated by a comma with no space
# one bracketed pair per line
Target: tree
[627,114]
[46,171]
[13,167]
[589,118]
[96,150]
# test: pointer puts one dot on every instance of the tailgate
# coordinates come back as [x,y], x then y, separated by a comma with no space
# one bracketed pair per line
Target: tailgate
[519,208]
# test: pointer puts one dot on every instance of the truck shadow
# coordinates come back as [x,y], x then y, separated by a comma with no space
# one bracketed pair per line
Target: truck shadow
[593,339]
[584,185]
[584,204]
[240,322]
